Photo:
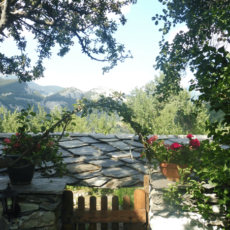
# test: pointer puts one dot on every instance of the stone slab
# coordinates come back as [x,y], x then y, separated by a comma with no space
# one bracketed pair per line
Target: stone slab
[2,146]
[134,143]
[141,168]
[111,139]
[135,154]
[180,140]
[104,147]
[101,136]
[107,163]
[95,182]
[118,154]
[89,158]
[37,186]
[76,134]
[122,182]
[125,136]
[71,180]
[88,140]
[119,172]
[87,175]
[129,160]
[81,167]
[6,135]
[86,151]
[225,146]
[71,160]
[159,181]
[65,153]
[72,144]
[120,145]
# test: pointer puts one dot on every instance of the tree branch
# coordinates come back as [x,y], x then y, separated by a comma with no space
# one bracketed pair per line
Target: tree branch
[4,18]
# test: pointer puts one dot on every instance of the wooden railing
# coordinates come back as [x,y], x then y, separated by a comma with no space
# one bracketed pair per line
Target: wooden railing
[136,219]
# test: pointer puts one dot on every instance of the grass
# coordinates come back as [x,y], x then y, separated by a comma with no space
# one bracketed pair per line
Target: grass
[121,192]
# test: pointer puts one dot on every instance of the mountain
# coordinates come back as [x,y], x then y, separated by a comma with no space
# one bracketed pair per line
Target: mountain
[45,90]
[15,95]
[94,94]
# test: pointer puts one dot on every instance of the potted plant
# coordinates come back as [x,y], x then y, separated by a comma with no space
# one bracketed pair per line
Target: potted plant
[23,151]
[173,159]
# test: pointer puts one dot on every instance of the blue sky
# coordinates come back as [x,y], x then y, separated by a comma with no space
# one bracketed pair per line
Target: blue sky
[139,35]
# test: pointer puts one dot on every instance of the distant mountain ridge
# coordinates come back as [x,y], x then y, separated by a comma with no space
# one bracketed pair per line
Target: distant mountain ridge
[15,95]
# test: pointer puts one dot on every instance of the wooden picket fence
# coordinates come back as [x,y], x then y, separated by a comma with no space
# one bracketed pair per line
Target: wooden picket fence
[136,219]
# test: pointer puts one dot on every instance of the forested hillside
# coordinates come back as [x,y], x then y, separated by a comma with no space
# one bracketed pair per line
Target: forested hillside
[176,116]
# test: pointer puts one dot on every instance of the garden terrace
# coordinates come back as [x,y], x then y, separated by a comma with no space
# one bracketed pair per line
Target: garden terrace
[94,160]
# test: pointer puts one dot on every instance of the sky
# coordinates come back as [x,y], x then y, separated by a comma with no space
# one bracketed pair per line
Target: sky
[140,35]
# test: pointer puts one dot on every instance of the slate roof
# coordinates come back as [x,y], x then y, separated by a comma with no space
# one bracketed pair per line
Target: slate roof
[105,161]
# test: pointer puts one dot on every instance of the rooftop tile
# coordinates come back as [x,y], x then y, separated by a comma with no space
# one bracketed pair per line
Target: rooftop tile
[88,140]
[121,145]
[101,136]
[81,167]
[86,151]
[119,172]
[107,163]
[104,147]
[72,144]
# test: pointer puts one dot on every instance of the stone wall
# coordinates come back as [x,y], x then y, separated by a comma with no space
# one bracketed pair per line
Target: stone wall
[164,216]
[40,203]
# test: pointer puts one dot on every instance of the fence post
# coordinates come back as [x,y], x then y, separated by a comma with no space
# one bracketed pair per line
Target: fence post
[115,206]
[146,188]
[139,203]
[104,206]
[81,207]
[126,206]
[67,210]
[93,206]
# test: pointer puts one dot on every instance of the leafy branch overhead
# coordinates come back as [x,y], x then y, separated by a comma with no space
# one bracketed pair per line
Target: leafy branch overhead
[203,48]
[58,22]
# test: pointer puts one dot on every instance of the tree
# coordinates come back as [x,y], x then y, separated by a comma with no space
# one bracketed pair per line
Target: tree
[203,49]
[175,116]
[59,22]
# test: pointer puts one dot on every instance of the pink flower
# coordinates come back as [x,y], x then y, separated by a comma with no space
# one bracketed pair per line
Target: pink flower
[175,146]
[152,139]
[194,143]
[17,134]
[7,140]
[189,136]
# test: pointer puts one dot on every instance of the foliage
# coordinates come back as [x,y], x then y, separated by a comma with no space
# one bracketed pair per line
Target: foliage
[165,153]
[176,116]
[59,22]
[203,48]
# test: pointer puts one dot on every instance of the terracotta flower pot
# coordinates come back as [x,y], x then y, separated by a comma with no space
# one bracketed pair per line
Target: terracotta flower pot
[171,171]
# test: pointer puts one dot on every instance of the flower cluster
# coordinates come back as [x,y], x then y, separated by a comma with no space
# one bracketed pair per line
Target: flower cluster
[173,153]
[21,142]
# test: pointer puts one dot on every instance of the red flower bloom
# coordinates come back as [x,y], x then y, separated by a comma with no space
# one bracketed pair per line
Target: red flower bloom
[152,139]
[7,140]
[189,136]
[17,134]
[175,146]
[194,143]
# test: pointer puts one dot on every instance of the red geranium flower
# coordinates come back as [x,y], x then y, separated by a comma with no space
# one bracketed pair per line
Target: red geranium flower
[189,136]
[175,145]
[194,143]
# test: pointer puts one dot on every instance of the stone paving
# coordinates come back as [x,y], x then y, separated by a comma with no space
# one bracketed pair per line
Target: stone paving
[105,161]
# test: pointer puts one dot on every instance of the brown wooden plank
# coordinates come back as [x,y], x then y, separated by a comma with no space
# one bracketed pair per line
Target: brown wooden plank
[110,216]
[67,210]
[139,199]
[126,206]
[104,206]
[139,203]
[93,207]
[146,189]
[81,208]
[115,206]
